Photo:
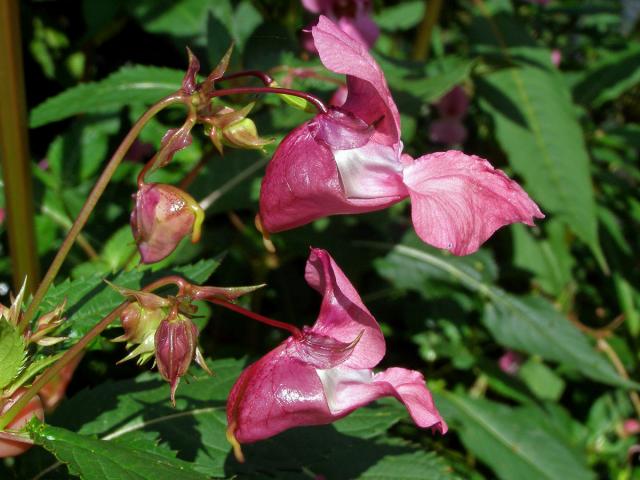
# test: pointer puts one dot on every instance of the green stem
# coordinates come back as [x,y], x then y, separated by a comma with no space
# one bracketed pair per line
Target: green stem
[14,151]
[52,371]
[422,43]
[90,203]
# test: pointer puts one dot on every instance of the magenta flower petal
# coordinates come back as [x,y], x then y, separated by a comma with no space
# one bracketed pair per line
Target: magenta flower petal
[274,394]
[361,27]
[347,389]
[302,184]
[369,97]
[343,316]
[458,200]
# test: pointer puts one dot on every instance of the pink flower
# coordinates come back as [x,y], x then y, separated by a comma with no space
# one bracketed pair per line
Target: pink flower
[556,57]
[325,373]
[449,131]
[510,362]
[353,17]
[350,160]
[452,108]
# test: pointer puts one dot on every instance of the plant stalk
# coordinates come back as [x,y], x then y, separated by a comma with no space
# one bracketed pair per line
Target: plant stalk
[14,152]
[422,43]
[90,203]
[319,104]
[295,331]
[52,371]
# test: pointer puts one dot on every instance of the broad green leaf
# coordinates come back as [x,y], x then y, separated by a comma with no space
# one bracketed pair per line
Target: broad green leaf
[131,84]
[182,18]
[541,380]
[537,127]
[549,259]
[90,458]
[611,77]
[12,352]
[514,442]
[403,16]
[78,154]
[90,299]
[530,324]
[408,274]
[323,452]
[430,83]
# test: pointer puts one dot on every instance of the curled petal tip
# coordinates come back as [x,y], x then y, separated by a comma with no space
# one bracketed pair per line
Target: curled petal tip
[237,448]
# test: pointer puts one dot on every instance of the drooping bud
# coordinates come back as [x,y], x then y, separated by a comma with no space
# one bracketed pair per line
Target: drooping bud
[162,217]
[176,343]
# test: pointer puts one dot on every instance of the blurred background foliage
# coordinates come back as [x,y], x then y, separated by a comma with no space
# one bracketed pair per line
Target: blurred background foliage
[530,345]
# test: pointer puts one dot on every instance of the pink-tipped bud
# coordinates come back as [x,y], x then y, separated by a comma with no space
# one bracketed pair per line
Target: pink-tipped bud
[139,322]
[176,343]
[631,426]
[162,217]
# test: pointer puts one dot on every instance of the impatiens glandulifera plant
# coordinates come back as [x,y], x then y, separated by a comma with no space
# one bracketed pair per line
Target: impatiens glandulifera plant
[350,160]
[324,372]
[347,159]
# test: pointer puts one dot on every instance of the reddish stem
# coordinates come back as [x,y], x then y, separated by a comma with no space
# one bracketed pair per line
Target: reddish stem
[262,76]
[286,91]
[256,316]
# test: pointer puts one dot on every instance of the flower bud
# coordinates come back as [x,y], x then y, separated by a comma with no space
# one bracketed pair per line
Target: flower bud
[139,322]
[162,216]
[175,344]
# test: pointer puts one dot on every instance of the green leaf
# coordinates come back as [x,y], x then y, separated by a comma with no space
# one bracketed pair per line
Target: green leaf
[403,16]
[12,352]
[430,83]
[530,324]
[549,259]
[90,458]
[131,84]
[90,299]
[616,73]
[514,442]
[408,274]
[323,452]
[181,18]
[542,380]
[538,129]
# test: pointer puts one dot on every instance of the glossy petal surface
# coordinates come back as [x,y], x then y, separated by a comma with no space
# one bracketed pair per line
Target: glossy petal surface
[459,200]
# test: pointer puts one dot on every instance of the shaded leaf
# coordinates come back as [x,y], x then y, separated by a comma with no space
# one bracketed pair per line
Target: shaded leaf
[514,442]
[12,352]
[134,84]
[91,458]
[530,324]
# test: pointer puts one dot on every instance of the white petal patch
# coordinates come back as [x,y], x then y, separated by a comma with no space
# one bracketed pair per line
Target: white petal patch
[369,171]
[334,378]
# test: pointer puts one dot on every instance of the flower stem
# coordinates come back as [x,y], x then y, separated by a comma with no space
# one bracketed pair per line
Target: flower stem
[262,76]
[256,316]
[90,203]
[422,43]
[52,371]
[319,104]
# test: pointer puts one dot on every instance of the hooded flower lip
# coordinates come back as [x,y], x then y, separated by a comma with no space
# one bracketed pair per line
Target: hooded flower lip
[457,200]
[326,372]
